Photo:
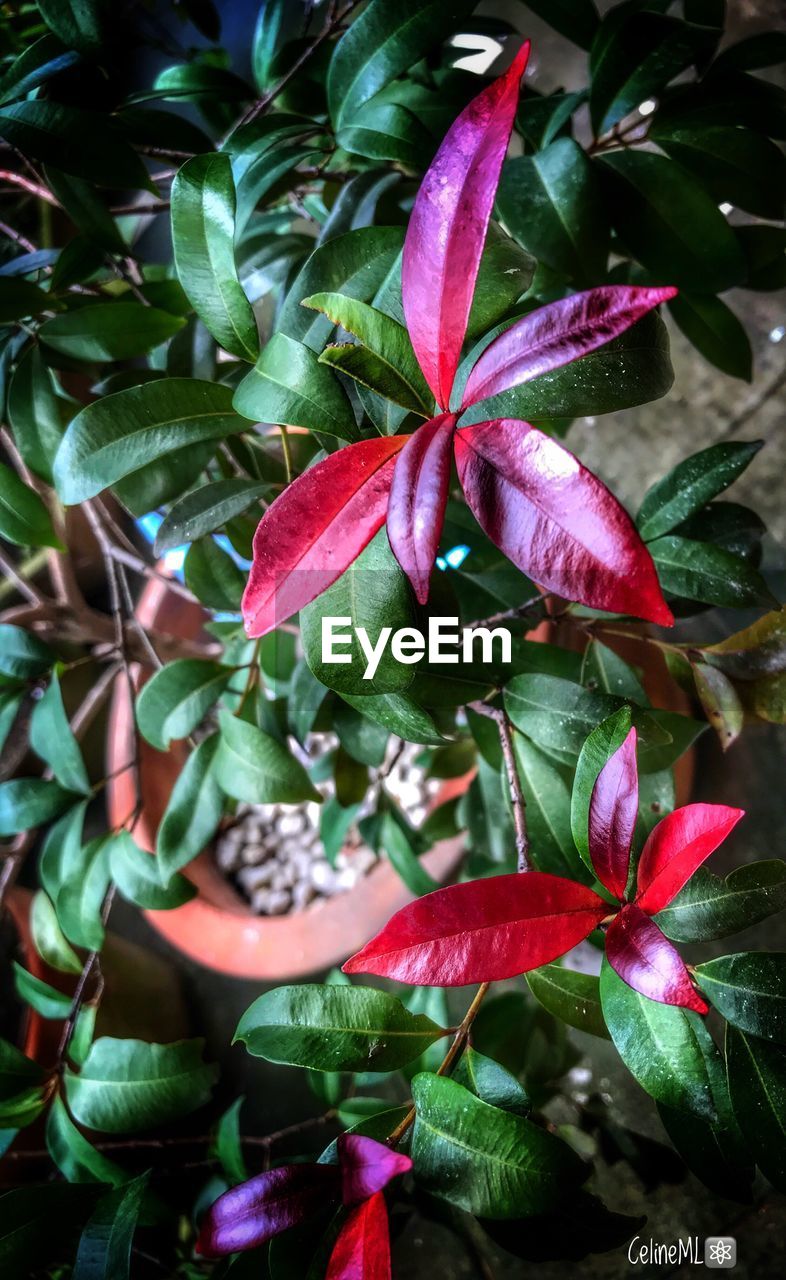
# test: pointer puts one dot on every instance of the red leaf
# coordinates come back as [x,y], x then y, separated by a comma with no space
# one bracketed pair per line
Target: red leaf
[362,1250]
[418,495]
[448,225]
[556,334]
[676,847]
[612,817]
[482,931]
[367,1166]
[257,1210]
[555,519]
[316,528]
[648,962]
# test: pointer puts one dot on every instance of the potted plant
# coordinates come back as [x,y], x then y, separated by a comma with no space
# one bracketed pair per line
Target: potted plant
[413,636]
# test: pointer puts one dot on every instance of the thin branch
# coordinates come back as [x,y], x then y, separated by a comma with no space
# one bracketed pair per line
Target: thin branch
[17,238]
[530,608]
[29,590]
[518,803]
[17,179]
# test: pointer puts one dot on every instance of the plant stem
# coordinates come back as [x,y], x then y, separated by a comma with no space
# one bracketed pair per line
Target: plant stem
[518,803]
[286,450]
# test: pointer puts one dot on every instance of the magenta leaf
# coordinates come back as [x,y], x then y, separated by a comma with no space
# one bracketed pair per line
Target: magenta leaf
[362,1250]
[418,495]
[316,528]
[448,225]
[482,931]
[556,334]
[555,520]
[612,817]
[367,1166]
[257,1210]
[648,962]
[676,847]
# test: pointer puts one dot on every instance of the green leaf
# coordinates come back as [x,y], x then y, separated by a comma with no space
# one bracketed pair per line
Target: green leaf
[75,1157]
[277,23]
[203,239]
[289,386]
[206,510]
[484,1160]
[252,766]
[52,739]
[702,571]
[17,1072]
[749,989]
[709,907]
[381,43]
[603,669]
[29,802]
[24,520]
[86,210]
[737,165]
[20,298]
[79,23]
[551,203]
[50,941]
[109,330]
[721,702]
[691,485]
[177,698]
[670,223]
[87,144]
[576,19]
[36,413]
[658,1044]
[399,375]
[193,811]
[128,1085]
[399,714]
[398,845]
[37,1223]
[355,264]
[37,63]
[46,1001]
[80,899]
[491,1083]
[123,432]
[634,56]
[570,996]
[104,1251]
[546,789]
[22,655]
[558,715]
[361,738]
[372,593]
[136,875]
[715,332]
[335,1028]
[213,576]
[388,131]
[757,1084]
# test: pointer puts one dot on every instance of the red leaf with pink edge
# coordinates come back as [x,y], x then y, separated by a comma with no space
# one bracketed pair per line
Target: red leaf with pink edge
[367,1166]
[556,334]
[255,1211]
[316,528]
[447,228]
[482,931]
[555,520]
[648,962]
[676,847]
[362,1250]
[418,494]
[612,817]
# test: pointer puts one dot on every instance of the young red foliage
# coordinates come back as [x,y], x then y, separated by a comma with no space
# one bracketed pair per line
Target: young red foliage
[418,494]
[555,519]
[255,1211]
[676,847]
[482,931]
[367,1166]
[645,959]
[448,225]
[362,1250]
[316,528]
[612,817]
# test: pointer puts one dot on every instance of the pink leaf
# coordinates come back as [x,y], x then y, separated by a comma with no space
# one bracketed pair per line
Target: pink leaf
[418,495]
[555,519]
[556,334]
[316,528]
[448,225]
[362,1250]
[676,847]
[257,1210]
[482,931]
[612,817]
[367,1166]
[648,962]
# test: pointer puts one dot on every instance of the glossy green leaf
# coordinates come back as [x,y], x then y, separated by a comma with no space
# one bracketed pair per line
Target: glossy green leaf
[546,789]
[78,23]
[203,233]
[691,485]
[104,1251]
[491,1083]
[87,144]
[399,714]
[86,210]
[37,415]
[61,851]
[716,332]
[80,898]
[606,671]
[570,996]
[45,999]
[400,849]
[213,576]
[551,203]
[109,330]
[206,510]
[50,941]
[335,1028]
[128,1085]
[361,738]
[123,432]
[24,520]
[634,56]
[749,989]
[22,655]
[37,63]
[137,877]
[558,715]
[388,131]
[482,1159]
[252,766]
[757,1084]
[659,1045]
[52,739]
[289,386]
[75,1157]
[737,165]
[710,907]
[21,1091]
[29,802]
[177,698]
[702,571]
[193,811]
